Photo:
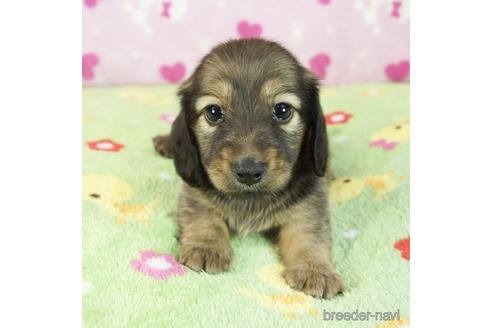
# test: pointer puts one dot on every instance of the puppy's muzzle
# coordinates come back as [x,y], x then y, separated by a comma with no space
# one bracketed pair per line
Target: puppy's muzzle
[249,171]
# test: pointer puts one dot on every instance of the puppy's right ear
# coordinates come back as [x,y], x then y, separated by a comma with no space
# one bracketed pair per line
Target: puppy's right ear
[318,136]
[184,146]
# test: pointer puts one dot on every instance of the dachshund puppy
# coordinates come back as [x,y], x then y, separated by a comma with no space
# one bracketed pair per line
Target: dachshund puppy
[250,144]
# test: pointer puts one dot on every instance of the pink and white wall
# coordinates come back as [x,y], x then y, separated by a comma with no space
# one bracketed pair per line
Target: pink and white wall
[161,41]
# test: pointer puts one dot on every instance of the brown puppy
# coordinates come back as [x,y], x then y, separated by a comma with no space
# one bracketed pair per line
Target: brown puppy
[250,144]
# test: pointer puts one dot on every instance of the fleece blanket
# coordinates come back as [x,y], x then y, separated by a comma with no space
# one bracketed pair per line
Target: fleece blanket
[131,276]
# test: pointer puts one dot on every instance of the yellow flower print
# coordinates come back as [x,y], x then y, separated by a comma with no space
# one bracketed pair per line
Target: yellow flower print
[289,302]
[345,188]
[113,194]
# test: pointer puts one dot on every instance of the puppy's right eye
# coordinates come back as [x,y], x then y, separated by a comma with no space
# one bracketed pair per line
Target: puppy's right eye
[214,114]
[282,112]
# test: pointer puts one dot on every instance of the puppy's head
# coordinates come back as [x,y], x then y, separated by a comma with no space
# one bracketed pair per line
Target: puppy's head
[249,114]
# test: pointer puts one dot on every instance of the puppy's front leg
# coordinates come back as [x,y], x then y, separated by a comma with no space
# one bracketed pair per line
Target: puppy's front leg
[163,145]
[305,251]
[204,242]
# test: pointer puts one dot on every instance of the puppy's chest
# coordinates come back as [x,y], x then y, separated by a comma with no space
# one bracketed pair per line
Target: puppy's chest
[245,216]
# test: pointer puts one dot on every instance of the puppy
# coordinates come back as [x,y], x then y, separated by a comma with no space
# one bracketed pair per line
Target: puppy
[250,144]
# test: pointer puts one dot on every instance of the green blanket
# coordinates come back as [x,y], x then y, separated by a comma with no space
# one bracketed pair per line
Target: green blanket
[131,277]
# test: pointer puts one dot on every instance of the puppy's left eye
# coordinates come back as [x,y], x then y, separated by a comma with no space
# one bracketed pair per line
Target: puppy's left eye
[282,112]
[214,114]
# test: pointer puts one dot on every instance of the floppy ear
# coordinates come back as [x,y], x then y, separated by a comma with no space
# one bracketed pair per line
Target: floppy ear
[184,146]
[320,145]
[318,140]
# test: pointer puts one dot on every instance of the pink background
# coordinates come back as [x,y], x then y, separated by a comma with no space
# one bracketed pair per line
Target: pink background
[161,41]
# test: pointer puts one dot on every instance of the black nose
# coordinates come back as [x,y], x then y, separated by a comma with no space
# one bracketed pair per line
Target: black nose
[248,171]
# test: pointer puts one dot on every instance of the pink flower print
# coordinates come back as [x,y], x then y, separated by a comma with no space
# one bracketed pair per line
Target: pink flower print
[157,265]
[339,117]
[169,118]
[383,143]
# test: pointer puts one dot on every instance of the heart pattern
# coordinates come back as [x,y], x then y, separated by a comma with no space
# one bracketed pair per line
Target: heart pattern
[301,29]
[247,30]
[90,3]
[398,72]
[319,64]
[89,61]
[173,73]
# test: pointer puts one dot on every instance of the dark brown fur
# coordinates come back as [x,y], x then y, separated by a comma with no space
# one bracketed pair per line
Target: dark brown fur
[290,204]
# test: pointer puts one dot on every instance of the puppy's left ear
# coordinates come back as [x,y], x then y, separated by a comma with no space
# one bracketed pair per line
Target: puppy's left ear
[318,139]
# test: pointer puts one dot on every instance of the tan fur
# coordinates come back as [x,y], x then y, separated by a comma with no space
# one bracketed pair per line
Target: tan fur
[219,169]
[203,129]
[280,170]
[205,242]
[274,87]
[289,98]
[204,101]
[294,127]
[305,248]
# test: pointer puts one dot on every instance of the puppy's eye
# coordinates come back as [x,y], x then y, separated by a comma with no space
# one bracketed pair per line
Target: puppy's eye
[214,114]
[282,112]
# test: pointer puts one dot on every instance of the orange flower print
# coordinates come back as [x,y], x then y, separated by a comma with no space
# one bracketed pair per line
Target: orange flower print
[337,118]
[105,145]
[403,245]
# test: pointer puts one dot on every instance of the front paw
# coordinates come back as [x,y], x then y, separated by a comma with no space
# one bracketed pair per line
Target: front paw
[211,259]
[315,281]
[162,144]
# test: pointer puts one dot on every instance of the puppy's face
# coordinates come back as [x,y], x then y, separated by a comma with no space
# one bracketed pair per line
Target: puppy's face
[249,131]
[249,109]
